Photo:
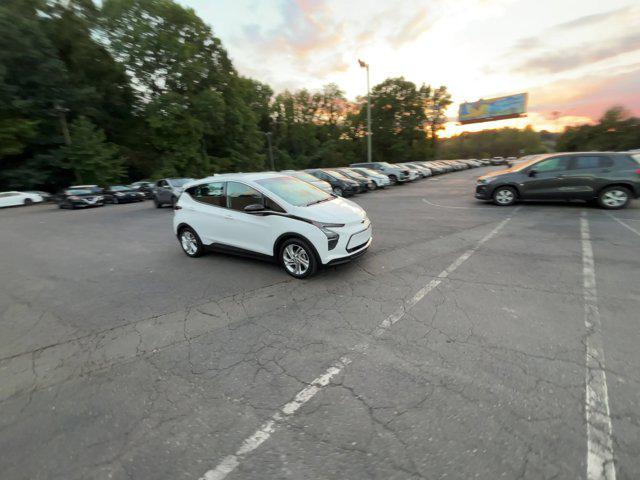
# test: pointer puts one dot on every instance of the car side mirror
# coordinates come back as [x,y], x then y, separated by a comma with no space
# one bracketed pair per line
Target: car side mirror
[254,208]
[532,173]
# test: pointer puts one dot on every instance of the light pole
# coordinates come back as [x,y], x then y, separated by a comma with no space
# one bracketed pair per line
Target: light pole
[268,135]
[366,65]
[62,116]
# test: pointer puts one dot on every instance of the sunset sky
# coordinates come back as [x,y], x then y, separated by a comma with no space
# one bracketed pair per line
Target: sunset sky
[575,58]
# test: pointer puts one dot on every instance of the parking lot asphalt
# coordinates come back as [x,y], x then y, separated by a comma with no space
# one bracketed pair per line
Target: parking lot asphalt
[471,341]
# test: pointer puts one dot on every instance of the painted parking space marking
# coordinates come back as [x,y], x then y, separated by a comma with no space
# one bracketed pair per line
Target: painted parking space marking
[600,460]
[229,463]
[455,207]
[628,227]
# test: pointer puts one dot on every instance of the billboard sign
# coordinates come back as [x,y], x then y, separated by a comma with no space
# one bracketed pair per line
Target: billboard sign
[511,106]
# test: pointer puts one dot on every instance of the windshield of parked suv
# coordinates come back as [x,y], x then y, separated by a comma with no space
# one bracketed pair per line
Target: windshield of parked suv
[178,182]
[119,188]
[337,175]
[307,177]
[78,191]
[294,191]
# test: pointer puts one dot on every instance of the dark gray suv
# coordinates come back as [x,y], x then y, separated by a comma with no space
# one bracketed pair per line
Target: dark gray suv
[611,179]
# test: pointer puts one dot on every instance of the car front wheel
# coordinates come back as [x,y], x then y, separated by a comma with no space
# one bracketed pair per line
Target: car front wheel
[614,198]
[190,242]
[505,196]
[297,258]
[337,191]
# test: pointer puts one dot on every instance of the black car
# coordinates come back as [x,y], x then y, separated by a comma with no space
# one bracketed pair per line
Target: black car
[611,179]
[120,194]
[144,186]
[364,183]
[341,185]
[79,198]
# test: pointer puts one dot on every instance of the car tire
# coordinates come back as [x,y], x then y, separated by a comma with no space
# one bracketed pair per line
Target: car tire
[505,196]
[27,202]
[190,242]
[157,203]
[298,258]
[338,191]
[115,201]
[174,200]
[614,198]
[393,179]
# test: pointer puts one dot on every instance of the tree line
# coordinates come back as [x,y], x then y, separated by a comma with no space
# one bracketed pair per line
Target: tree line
[133,89]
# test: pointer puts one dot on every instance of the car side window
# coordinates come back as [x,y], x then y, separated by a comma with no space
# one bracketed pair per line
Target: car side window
[239,196]
[587,161]
[209,193]
[162,183]
[554,164]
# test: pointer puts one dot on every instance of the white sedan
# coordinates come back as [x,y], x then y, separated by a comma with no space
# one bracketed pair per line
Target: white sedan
[11,199]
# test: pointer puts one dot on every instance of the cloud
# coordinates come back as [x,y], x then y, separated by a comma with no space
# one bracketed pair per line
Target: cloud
[590,20]
[570,58]
[410,30]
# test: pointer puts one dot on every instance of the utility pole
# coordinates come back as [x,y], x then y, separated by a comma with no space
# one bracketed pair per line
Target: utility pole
[366,65]
[268,135]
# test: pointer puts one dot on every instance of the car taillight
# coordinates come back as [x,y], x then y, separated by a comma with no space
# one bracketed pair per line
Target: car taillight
[638,171]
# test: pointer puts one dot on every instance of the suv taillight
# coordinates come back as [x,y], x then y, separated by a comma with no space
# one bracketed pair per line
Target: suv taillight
[638,171]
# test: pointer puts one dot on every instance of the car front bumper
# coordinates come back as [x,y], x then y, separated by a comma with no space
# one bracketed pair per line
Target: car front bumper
[483,192]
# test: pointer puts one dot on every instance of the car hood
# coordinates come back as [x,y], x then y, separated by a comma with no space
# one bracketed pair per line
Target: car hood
[498,173]
[338,210]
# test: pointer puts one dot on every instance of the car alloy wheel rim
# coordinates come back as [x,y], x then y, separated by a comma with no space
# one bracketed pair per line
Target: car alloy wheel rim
[504,196]
[296,259]
[189,243]
[614,198]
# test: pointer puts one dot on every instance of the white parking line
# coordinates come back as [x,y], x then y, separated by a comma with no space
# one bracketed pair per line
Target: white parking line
[457,208]
[629,227]
[600,464]
[229,463]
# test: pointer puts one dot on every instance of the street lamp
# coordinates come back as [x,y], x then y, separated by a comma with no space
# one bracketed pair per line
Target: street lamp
[268,135]
[366,65]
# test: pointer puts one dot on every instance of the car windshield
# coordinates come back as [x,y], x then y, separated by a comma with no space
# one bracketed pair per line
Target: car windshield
[119,188]
[178,182]
[294,191]
[636,157]
[304,176]
[78,191]
[387,164]
[336,174]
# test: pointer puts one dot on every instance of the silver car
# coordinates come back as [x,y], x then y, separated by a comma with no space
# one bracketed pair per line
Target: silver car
[168,190]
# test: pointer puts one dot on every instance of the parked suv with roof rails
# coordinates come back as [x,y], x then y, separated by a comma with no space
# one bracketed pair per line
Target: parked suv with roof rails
[611,179]
[395,173]
[168,190]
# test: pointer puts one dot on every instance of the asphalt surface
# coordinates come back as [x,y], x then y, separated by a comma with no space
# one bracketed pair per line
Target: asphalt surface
[456,348]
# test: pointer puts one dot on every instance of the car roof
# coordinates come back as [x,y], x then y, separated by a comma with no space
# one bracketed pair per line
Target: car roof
[226,177]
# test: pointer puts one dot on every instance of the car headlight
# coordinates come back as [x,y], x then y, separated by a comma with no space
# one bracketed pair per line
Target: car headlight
[73,197]
[326,229]
[118,194]
[484,181]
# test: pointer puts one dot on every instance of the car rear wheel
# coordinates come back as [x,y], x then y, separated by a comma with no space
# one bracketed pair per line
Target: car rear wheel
[505,196]
[614,198]
[28,201]
[190,242]
[297,258]
[393,179]
[115,200]
[157,203]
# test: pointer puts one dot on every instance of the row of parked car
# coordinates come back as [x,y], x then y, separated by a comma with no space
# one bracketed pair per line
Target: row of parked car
[341,181]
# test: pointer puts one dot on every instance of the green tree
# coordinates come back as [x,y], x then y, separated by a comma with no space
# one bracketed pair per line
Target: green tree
[503,142]
[89,156]
[616,130]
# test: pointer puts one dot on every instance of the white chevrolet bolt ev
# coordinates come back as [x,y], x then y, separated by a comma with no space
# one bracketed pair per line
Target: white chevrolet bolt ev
[270,215]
